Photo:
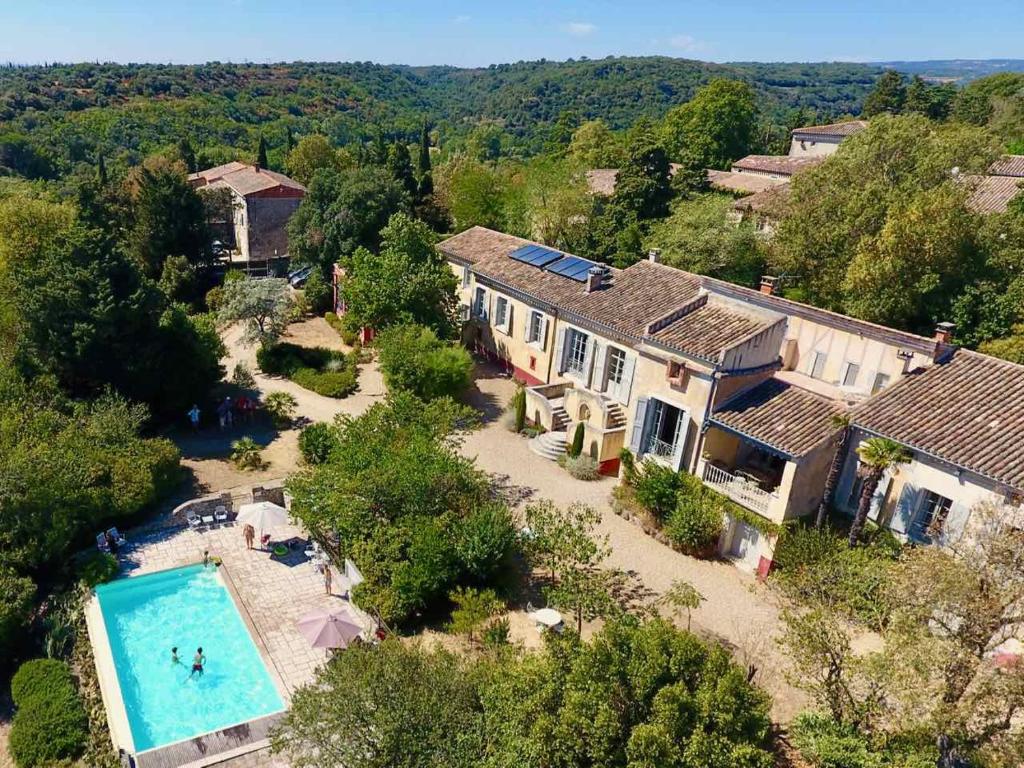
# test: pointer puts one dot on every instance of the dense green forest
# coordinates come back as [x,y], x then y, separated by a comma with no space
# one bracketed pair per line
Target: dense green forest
[61,115]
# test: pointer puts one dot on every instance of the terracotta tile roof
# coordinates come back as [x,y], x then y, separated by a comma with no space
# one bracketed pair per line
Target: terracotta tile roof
[847,128]
[244,179]
[769,202]
[784,165]
[741,182]
[991,194]
[778,414]
[1008,165]
[628,302]
[968,411]
[709,329]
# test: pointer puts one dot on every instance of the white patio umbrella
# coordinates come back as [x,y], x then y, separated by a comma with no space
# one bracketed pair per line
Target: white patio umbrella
[329,630]
[262,515]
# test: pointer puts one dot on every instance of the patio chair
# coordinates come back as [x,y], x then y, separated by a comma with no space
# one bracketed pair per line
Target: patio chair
[101,542]
[220,514]
[116,536]
[193,519]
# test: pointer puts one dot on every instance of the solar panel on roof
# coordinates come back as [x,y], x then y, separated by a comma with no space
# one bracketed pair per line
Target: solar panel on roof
[535,255]
[572,267]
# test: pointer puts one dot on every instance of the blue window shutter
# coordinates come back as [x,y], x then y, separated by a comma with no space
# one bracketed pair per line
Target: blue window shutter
[639,423]
[903,515]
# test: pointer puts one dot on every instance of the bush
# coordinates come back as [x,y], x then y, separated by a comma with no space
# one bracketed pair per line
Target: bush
[656,487]
[576,447]
[245,454]
[17,595]
[817,566]
[50,723]
[324,371]
[414,359]
[215,299]
[824,743]
[242,376]
[697,519]
[281,407]
[519,409]
[348,334]
[628,464]
[485,543]
[97,568]
[582,467]
[318,293]
[316,442]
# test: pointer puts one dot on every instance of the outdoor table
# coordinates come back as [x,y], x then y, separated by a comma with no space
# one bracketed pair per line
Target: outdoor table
[547,617]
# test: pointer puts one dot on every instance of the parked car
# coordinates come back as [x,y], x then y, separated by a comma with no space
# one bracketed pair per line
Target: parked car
[299,277]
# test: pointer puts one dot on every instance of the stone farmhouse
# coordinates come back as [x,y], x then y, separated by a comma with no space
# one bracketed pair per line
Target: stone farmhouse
[262,203]
[740,387]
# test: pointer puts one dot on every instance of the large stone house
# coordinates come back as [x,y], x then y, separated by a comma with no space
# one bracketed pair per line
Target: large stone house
[737,386]
[262,202]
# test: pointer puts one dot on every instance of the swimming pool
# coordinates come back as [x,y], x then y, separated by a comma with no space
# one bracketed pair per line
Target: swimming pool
[146,616]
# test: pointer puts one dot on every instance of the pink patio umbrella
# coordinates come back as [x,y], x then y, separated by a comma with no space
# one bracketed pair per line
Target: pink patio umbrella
[329,630]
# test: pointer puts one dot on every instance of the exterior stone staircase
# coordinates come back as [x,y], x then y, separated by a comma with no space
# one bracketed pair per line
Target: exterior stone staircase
[550,445]
[616,416]
[559,417]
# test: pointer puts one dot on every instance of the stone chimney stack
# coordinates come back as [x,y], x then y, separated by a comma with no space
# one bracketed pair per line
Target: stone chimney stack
[769,285]
[654,255]
[595,278]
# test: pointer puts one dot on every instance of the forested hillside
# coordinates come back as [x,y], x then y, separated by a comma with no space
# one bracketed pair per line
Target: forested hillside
[54,117]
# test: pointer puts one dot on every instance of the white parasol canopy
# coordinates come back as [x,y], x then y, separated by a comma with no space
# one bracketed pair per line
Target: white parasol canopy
[329,630]
[262,514]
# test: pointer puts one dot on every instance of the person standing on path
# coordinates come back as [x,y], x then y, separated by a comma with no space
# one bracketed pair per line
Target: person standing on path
[328,578]
[193,418]
[249,534]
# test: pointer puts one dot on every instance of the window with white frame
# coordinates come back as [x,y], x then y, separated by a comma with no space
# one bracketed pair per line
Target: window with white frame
[931,516]
[818,365]
[850,374]
[535,329]
[465,277]
[501,313]
[576,357]
[881,381]
[480,304]
[616,367]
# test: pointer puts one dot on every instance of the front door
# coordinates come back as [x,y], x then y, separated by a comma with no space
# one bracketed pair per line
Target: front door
[746,545]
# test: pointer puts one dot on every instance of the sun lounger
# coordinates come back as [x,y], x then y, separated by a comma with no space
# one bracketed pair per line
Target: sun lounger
[101,543]
[193,519]
[220,514]
[207,519]
[116,536]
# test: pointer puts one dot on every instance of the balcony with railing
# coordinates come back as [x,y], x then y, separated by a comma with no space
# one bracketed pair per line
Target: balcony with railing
[659,448]
[743,490]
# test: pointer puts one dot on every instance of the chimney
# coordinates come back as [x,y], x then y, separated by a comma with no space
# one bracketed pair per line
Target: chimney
[944,332]
[595,276]
[769,285]
[256,166]
[654,255]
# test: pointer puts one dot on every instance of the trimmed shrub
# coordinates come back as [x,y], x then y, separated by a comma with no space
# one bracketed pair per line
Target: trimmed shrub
[576,447]
[519,409]
[324,371]
[97,568]
[414,359]
[656,486]
[336,384]
[242,376]
[696,522]
[582,467]
[316,442]
[628,464]
[348,334]
[50,723]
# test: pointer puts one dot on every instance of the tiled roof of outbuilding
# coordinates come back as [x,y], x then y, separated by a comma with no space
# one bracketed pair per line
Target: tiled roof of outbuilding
[1008,165]
[992,194]
[780,415]
[749,183]
[847,128]
[784,165]
[244,179]
[968,411]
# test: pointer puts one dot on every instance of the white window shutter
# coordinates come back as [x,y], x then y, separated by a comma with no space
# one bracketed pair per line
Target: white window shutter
[627,378]
[879,497]
[681,431]
[588,361]
[955,525]
[526,326]
[903,515]
[544,334]
[560,350]
[508,317]
[639,426]
[597,378]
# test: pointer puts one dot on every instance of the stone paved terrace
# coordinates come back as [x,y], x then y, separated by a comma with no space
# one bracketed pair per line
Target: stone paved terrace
[273,592]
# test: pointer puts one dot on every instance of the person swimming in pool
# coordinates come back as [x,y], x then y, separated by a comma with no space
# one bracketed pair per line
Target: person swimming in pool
[197,663]
[174,656]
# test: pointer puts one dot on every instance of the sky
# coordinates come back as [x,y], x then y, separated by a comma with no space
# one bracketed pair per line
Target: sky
[496,31]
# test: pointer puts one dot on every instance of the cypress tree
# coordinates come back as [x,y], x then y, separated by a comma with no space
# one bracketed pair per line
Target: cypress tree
[261,153]
[101,172]
[399,165]
[424,158]
[289,139]
[576,448]
[187,155]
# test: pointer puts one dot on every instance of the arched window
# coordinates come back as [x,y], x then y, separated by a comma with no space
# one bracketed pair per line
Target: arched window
[584,412]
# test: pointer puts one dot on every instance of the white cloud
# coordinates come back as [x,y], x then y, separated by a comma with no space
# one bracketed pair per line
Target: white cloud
[461,19]
[580,28]
[688,43]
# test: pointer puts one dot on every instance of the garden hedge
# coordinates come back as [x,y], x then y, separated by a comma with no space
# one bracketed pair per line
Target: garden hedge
[324,371]
[50,723]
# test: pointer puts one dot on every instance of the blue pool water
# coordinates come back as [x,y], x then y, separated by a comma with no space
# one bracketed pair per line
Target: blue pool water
[145,617]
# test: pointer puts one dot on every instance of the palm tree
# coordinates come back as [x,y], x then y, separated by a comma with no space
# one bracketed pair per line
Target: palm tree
[842,423]
[876,456]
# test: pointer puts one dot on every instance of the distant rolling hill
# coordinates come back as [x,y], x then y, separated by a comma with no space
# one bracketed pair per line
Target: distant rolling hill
[958,70]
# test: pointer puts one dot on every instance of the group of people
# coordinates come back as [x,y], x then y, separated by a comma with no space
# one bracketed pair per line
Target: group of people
[198,661]
[244,407]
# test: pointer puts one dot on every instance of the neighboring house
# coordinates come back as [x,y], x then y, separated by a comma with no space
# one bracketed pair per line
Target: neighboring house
[962,422]
[993,192]
[262,202]
[764,208]
[822,140]
[778,167]
[735,385]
